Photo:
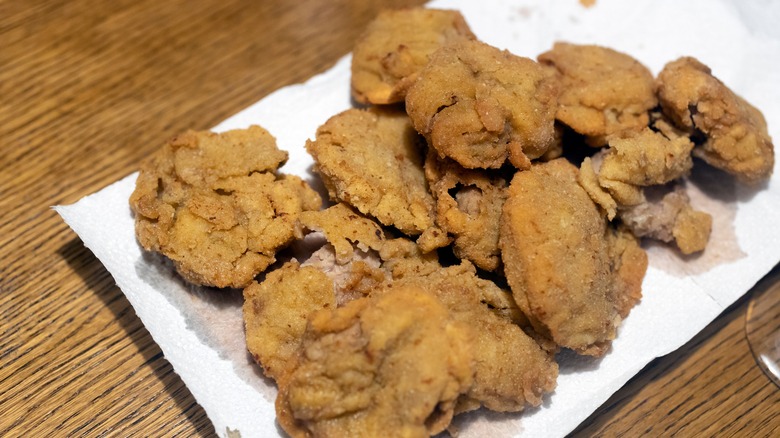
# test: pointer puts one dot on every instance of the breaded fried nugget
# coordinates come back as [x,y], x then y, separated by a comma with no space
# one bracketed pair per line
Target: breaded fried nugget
[345,229]
[512,371]
[391,365]
[603,91]
[468,206]
[479,106]
[214,205]
[276,311]
[560,261]
[670,218]
[737,140]
[641,159]
[372,160]
[351,259]
[395,46]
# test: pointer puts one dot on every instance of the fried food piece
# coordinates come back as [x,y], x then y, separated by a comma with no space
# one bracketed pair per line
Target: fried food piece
[345,229]
[561,263]
[396,46]
[433,238]
[641,159]
[479,106]
[394,364]
[351,279]
[468,206]
[646,158]
[629,264]
[670,218]
[589,180]
[737,140]
[359,257]
[351,259]
[512,371]
[276,311]
[692,230]
[372,160]
[603,91]
[214,205]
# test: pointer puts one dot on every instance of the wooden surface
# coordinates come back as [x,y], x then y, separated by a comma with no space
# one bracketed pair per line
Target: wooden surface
[87,89]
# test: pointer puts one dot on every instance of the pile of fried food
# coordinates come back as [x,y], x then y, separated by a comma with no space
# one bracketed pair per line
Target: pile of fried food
[488,210]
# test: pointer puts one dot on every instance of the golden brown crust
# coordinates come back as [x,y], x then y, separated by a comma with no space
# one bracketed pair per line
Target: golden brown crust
[214,205]
[646,158]
[603,91]
[372,160]
[629,265]
[511,369]
[345,229]
[396,46]
[668,218]
[468,207]
[737,140]
[396,362]
[559,260]
[276,311]
[481,106]
[692,230]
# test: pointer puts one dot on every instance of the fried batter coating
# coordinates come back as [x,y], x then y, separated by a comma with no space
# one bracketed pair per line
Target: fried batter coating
[646,158]
[372,160]
[345,229]
[276,311]
[670,218]
[737,140]
[512,371]
[351,259]
[468,206]
[396,46]
[391,365]
[603,91]
[479,106]
[561,263]
[692,230]
[214,205]
[641,159]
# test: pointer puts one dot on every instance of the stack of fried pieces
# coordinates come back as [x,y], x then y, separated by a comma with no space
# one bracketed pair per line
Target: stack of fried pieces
[487,214]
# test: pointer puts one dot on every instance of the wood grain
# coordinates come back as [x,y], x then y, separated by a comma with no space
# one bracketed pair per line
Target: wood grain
[87,89]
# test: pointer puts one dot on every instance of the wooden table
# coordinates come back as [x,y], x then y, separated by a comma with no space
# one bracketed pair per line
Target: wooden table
[87,89]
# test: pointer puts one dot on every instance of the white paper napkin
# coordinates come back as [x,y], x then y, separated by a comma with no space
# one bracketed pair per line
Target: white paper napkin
[201,332]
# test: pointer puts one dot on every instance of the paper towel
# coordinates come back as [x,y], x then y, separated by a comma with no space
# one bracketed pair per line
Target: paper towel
[200,332]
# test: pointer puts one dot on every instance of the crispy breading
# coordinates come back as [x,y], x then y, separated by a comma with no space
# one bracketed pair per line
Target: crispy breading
[637,160]
[589,180]
[276,311]
[603,91]
[646,158]
[353,277]
[481,106]
[737,140]
[345,229]
[214,205]
[512,371]
[692,230]
[372,159]
[395,46]
[468,207]
[394,364]
[559,260]
[669,218]
[351,257]
[629,264]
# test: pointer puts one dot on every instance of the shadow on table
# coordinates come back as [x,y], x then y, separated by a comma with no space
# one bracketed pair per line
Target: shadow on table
[98,280]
